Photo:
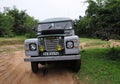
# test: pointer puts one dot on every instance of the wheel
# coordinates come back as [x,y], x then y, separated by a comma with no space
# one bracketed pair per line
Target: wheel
[43,63]
[34,67]
[76,65]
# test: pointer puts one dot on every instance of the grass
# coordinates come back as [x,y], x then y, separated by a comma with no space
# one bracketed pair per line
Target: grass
[93,42]
[5,44]
[97,69]
[11,41]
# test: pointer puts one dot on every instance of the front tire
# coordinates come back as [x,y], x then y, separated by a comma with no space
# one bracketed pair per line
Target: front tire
[34,67]
[76,65]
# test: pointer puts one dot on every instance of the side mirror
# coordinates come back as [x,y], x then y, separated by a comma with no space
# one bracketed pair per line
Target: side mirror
[74,24]
[34,29]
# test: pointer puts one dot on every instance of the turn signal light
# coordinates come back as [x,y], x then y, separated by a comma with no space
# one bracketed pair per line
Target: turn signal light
[59,48]
[42,48]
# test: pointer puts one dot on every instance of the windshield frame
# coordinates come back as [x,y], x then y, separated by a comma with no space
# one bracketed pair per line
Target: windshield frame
[71,22]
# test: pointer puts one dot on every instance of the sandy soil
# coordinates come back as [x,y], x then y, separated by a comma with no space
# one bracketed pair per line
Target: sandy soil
[13,70]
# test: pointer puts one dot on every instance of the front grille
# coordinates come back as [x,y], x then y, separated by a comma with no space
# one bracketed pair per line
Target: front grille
[51,44]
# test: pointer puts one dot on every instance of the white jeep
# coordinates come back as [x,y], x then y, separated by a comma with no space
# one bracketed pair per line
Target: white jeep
[55,42]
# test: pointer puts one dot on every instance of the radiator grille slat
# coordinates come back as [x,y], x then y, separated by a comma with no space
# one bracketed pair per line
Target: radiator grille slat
[51,44]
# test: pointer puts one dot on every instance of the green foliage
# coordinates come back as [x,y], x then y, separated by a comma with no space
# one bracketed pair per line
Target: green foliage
[14,22]
[101,20]
[5,25]
[96,69]
[31,35]
[29,23]
[99,65]
[114,53]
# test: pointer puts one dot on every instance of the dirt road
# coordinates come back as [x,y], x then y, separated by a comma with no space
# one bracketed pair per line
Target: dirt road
[13,70]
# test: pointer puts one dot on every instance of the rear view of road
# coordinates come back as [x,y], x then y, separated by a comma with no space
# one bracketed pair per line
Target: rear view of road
[13,70]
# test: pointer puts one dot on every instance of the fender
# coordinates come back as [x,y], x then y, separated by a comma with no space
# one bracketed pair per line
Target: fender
[28,52]
[76,42]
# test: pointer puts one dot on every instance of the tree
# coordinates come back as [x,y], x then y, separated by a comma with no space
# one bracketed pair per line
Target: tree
[6,25]
[19,19]
[15,22]
[101,19]
[28,24]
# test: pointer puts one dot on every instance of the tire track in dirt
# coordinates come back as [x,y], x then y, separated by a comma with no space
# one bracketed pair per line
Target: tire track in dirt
[13,70]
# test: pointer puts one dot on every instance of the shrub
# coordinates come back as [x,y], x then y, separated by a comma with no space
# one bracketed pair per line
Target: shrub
[31,35]
[115,36]
[114,53]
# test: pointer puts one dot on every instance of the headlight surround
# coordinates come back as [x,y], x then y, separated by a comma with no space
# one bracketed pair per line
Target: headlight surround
[69,44]
[69,32]
[32,47]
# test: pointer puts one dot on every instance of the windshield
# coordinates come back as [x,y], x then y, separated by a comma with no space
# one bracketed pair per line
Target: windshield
[55,25]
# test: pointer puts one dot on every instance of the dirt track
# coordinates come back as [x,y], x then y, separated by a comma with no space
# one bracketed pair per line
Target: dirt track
[13,70]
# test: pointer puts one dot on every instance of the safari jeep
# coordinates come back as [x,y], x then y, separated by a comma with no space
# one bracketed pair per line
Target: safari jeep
[55,42]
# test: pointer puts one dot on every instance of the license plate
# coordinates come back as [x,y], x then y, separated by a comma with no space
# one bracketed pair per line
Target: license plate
[50,53]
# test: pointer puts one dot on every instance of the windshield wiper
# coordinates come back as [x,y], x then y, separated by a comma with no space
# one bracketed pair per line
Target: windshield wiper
[50,27]
[65,25]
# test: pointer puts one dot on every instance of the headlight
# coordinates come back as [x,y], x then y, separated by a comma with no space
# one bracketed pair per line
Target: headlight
[32,46]
[69,44]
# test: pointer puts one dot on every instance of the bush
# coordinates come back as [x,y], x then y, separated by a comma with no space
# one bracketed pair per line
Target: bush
[114,53]
[31,35]
[115,36]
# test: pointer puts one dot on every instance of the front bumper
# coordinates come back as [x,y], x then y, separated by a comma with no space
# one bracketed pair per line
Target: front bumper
[52,58]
